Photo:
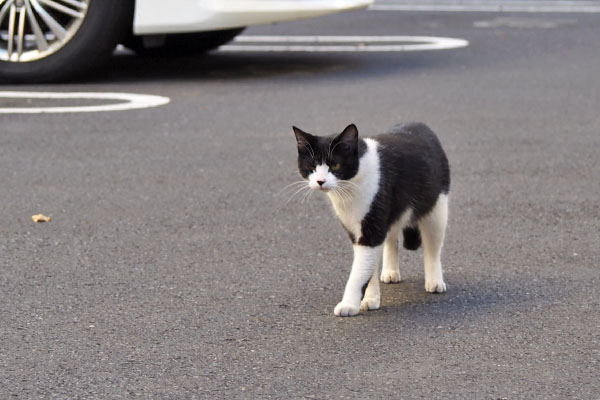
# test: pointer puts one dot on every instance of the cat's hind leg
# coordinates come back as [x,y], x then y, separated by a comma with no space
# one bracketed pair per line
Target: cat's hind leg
[433,229]
[390,273]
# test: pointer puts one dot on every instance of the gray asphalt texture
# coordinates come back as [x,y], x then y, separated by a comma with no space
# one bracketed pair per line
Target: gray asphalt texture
[172,268]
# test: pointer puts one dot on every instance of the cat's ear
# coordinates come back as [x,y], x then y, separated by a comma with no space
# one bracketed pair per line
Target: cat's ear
[304,139]
[348,138]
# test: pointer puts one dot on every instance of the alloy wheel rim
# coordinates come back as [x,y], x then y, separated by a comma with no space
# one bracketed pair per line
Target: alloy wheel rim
[34,29]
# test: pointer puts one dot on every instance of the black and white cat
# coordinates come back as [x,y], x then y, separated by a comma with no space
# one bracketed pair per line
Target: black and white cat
[379,187]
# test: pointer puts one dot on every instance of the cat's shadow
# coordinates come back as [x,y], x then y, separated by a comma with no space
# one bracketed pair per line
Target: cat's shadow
[407,302]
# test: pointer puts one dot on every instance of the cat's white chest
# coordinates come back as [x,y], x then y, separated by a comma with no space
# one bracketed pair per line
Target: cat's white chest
[351,210]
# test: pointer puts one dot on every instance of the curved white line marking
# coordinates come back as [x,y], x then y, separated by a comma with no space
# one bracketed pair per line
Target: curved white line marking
[348,43]
[130,101]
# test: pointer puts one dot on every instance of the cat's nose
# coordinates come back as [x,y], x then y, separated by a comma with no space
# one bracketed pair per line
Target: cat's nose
[321,183]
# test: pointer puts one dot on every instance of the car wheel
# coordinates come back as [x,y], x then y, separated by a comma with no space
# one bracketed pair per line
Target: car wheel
[181,44]
[51,40]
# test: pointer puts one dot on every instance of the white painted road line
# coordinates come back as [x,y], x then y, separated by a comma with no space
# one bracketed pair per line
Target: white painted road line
[490,6]
[342,43]
[130,101]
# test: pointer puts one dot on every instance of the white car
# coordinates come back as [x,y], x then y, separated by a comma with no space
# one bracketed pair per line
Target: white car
[50,40]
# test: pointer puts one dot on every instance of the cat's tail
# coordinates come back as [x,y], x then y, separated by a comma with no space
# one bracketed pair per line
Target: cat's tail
[412,238]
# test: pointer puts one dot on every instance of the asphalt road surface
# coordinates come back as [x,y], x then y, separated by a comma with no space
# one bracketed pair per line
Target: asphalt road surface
[172,268]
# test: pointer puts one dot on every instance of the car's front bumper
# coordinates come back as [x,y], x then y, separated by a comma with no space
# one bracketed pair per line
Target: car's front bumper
[173,16]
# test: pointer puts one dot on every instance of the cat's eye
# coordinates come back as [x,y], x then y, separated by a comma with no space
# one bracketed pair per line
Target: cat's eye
[335,167]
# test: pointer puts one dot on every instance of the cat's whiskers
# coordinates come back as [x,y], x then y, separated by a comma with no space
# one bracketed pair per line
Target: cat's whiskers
[350,187]
[350,195]
[310,149]
[291,187]
[343,194]
[330,150]
[346,190]
[349,184]
[307,195]
[298,191]
[338,193]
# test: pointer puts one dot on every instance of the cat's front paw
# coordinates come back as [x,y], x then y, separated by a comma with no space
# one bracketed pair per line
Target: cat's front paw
[390,276]
[369,303]
[435,286]
[344,309]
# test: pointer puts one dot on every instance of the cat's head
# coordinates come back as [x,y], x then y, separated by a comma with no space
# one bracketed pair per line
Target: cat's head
[325,161]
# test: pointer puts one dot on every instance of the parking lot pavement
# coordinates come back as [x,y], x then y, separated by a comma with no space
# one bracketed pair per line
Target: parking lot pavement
[172,268]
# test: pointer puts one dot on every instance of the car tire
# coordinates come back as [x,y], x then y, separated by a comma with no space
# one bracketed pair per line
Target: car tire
[184,44]
[89,41]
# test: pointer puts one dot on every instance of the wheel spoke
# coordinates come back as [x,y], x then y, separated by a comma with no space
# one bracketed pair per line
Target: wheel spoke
[4,9]
[21,33]
[40,39]
[11,30]
[54,26]
[77,4]
[61,8]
